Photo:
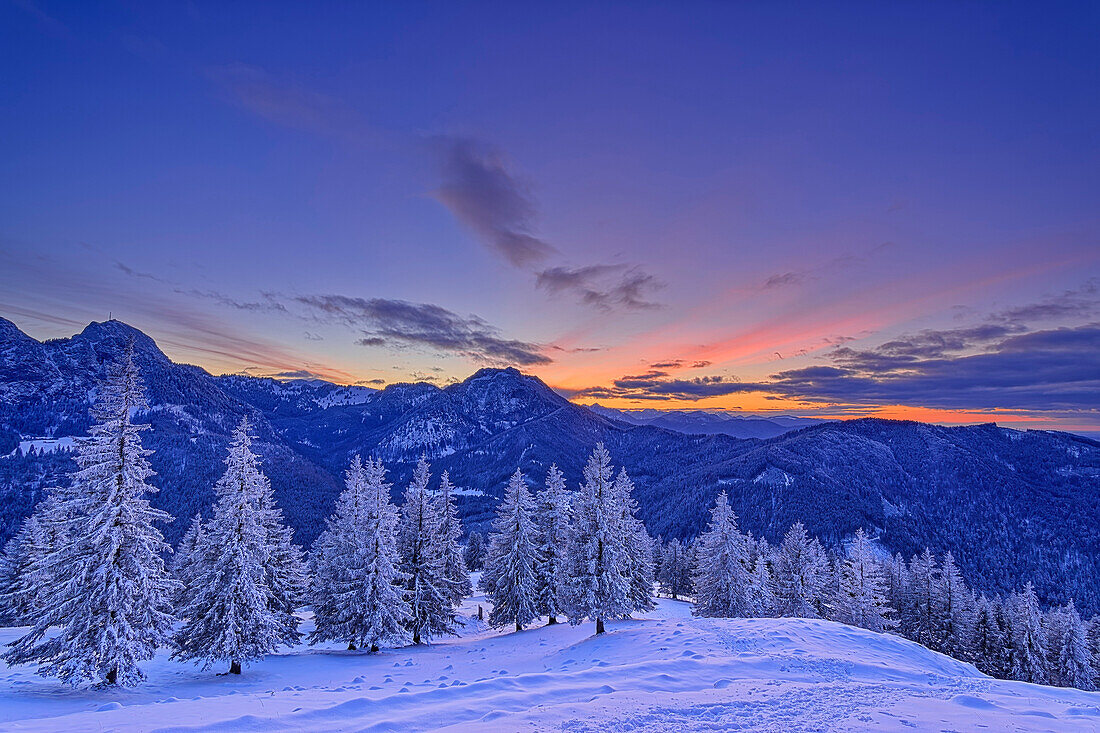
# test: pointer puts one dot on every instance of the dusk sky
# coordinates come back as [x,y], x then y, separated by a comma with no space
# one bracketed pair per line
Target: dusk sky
[883,209]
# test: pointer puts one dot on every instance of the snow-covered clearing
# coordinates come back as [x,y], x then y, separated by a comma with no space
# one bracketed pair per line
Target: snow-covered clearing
[664,672]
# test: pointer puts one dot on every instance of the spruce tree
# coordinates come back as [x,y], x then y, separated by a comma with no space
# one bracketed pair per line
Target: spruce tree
[862,598]
[762,589]
[1027,626]
[421,562]
[988,640]
[105,585]
[510,578]
[1092,637]
[357,599]
[637,545]
[598,587]
[474,554]
[186,556]
[455,574]
[676,570]
[923,584]
[953,612]
[801,574]
[20,587]
[721,578]
[552,523]
[238,603]
[1073,660]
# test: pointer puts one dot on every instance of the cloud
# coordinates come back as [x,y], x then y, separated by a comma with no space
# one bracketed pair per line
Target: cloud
[285,103]
[481,191]
[657,385]
[299,374]
[1056,369]
[603,286]
[487,198]
[398,323]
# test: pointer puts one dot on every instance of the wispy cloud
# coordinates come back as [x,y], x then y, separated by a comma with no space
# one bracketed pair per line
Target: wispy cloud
[489,199]
[398,323]
[483,193]
[603,286]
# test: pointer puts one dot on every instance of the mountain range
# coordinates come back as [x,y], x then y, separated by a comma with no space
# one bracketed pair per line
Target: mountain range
[1011,505]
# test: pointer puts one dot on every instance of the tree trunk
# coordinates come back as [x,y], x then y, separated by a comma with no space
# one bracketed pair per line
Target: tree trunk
[351,646]
[416,637]
[599,626]
[373,648]
[519,626]
[234,667]
[551,621]
[112,676]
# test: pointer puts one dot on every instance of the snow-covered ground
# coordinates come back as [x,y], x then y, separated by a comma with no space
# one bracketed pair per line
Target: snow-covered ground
[664,672]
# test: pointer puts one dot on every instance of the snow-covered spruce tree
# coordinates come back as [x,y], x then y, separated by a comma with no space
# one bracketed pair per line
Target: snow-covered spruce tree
[637,545]
[1027,627]
[921,607]
[510,578]
[106,585]
[421,562]
[896,574]
[762,589]
[954,613]
[450,537]
[19,586]
[988,643]
[186,555]
[474,554]
[721,578]
[676,570]
[1092,636]
[801,574]
[356,598]
[1070,663]
[598,587]
[862,598]
[238,603]
[552,523]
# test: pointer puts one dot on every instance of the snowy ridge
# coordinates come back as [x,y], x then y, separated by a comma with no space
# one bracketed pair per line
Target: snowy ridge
[664,672]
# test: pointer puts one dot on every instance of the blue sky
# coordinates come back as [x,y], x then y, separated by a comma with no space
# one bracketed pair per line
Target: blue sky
[827,208]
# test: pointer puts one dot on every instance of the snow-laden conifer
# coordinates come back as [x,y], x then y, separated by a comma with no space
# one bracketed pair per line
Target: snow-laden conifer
[637,545]
[21,588]
[921,607]
[552,522]
[1070,660]
[763,602]
[474,554]
[510,580]
[954,617]
[988,639]
[801,574]
[186,556]
[450,537]
[862,597]
[598,587]
[356,598]
[1028,641]
[244,575]
[721,578]
[105,586]
[676,570]
[421,562]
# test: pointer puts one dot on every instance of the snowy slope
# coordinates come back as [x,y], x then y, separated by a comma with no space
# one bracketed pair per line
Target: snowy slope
[666,672]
